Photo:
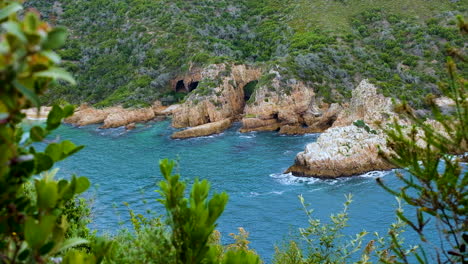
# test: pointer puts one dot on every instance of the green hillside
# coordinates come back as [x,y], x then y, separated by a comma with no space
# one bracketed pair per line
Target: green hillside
[127,51]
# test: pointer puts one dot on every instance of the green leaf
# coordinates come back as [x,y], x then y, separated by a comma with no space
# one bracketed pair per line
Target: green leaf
[31,22]
[55,39]
[14,29]
[43,162]
[28,93]
[36,232]
[30,232]
[54,118]
[68,110]
[47,194]
[54,57]
[54,150]
[10,9]
[68,148]
[24,254]
[72,242]
[37,134]
[46,248]
[56,73]
[82,184]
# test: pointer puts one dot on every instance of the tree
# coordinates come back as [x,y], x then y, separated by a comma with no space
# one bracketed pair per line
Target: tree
[32,229]
[432,152]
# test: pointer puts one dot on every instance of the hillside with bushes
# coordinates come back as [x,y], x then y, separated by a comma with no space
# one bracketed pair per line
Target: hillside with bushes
[127,51]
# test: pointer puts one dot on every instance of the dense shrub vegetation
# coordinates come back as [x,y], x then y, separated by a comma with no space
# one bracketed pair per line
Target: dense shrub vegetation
[127,52]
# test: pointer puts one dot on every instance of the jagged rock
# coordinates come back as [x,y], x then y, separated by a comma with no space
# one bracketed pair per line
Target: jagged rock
[345,149]
[341,152]
[367,105]
[219,95]
[318,120]
[281,102]
[203,130]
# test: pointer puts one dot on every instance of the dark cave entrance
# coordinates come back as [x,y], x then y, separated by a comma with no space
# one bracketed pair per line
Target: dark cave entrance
[249,89]
[192,86]
[180,87]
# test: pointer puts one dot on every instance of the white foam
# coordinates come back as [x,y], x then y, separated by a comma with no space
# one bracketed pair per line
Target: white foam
[289,179]
[375,174]
[255,194]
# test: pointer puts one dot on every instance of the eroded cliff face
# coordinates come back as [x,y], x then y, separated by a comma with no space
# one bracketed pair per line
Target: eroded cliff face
[287,105]
[219,95]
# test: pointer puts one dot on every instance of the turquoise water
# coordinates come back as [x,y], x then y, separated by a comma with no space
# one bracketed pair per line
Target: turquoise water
[123,167]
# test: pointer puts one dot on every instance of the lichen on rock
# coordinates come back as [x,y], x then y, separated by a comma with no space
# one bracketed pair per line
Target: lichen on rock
[341,152]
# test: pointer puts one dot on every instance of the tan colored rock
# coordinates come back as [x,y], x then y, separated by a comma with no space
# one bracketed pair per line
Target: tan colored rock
[86,115]
[203,130]
[168,110]
[322,118]
[283,102]
[341,152]
[257,124]
[298,130]
[121,117]
[110,117]
[130,126]
[33,113]
[219,95]
[367,105]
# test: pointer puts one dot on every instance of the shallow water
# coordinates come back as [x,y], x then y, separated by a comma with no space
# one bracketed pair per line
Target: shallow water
[123,167]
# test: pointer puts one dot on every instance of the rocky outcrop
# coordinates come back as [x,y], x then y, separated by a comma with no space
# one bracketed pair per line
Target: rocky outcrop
[341,152]
[86,115]
[122,117]
[277,102]
[346,149]
[203,130]
[115,116]
[287,105]
[219,95]
[367,105]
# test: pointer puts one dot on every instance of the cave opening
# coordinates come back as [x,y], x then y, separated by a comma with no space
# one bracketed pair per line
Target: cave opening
[249,89]
[180,87]
[192,86]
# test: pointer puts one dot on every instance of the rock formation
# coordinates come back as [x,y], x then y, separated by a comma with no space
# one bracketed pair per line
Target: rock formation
[115,116]
[286,105]
[340,152]
[346,149]
[203,130]
[367,105]
[219,95]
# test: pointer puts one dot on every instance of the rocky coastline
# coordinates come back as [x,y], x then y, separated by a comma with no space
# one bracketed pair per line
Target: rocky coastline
[217,96]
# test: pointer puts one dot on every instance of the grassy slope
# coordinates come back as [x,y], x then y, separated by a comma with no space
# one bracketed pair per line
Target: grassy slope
[335,16]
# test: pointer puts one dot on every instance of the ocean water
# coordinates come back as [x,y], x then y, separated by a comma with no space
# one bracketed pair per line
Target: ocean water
[123,167]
